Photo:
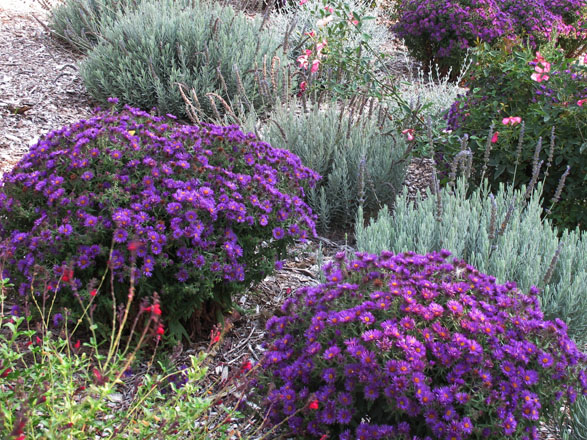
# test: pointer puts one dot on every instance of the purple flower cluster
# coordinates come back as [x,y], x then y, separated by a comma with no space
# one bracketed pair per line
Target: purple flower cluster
[413,347]
[441,30]
[194,207]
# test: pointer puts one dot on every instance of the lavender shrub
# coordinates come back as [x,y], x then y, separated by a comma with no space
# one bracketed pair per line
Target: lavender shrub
[205,210]
[416,347]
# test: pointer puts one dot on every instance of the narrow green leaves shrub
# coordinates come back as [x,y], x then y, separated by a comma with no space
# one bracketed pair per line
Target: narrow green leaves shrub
[146,54]
[508,239]
[578,423]
[80,22]
[357,158]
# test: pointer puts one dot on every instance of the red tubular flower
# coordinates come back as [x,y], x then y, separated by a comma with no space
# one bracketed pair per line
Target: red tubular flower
[313,405]
[246,366]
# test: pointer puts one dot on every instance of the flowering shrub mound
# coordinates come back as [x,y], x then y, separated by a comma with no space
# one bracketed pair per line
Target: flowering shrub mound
[202,211]
[414,347]
[441,31]
[541,92]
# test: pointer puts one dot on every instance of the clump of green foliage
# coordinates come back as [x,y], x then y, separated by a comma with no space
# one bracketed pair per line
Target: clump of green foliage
[80,22]
[147,54]
[54,386]
[503,234]
[359,156]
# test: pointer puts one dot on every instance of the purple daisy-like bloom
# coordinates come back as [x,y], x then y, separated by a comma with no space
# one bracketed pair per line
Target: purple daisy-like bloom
[278,233]
[90,221]
[344,415]
[120,236]
[87,175]
[367,318]
[371,335]
[331,352]
[329,375]
[371,392]
[83,261]
[65,229]
[545,359]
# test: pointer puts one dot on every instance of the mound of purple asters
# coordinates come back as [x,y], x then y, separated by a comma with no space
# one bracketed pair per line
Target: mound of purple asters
[195,208]
[415,347]
[442,30]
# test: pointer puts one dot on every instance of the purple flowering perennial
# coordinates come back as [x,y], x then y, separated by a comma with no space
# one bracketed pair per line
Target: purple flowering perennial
[422,348]
[442,30]
[185,203]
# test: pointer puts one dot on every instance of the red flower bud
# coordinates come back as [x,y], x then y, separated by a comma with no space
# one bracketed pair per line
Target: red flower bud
[67,275]
[134,246]
[313,404]
[160,330]
[6,372]
[246,366]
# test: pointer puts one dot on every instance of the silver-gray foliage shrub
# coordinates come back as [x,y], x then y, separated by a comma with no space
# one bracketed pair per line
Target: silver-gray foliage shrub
[145,55]
[504,235]
[357,158]
[80,22]
[578,423]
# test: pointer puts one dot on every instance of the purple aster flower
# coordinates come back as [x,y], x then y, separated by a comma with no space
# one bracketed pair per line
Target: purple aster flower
[278,233]
[345,399]
[371,392]
[509,424]
[344,416]
[173,207]
[367,318]
[65,229]
[371,335]
[88,175]
[329,375]
[331,352]
[545,359]
[90,221]
[120,236]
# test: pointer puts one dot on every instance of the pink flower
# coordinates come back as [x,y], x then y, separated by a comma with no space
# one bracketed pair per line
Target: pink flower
[512,120]
[580,102]
[315,65]
[302,2]
[409,132]
[310,34]
[353,20]
[329,9]
[494,137]
[303,86]
[540,73]
[303,61]
[320,46]
[539,77]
